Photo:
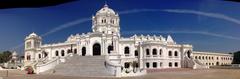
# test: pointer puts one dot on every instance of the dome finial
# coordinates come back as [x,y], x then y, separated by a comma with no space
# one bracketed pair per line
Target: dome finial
[105,5]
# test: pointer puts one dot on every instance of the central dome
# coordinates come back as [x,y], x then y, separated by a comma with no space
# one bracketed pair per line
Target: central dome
[105,10]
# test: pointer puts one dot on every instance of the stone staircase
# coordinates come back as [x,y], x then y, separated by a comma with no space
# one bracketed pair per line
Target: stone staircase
[194,64]
[81,66]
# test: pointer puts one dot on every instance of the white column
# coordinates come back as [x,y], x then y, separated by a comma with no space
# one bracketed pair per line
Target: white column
[50,54]
[150,50]
[89,48]
[141,55]
[78,47]
[102,47]
[150,64]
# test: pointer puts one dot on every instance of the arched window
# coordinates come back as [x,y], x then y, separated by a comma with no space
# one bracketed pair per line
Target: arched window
[160,52]
[112,21]
[147,52]
[203,57]
[75,51]
[28,57]
[199,57]
[126,50]
[147,64]
[69,51]
[56,53]
[169,53]
[45,54]
[154,64]
[154,52]
[175,53]
[136,53]
[126,64]
[110,48]
[137,65]
[104,21]
[83,51]
[195,57]
[62,53]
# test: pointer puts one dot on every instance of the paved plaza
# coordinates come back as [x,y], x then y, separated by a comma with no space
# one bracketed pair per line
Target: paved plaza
[153,74]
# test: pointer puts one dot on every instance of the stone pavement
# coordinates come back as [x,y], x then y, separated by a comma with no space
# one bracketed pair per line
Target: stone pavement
[164,74]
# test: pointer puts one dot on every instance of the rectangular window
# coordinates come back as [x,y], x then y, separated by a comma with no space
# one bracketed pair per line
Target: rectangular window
[170,64]
[176,64]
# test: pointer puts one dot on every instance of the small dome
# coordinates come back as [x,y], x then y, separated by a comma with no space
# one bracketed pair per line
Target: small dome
[105,10]
[14,53]
[33,34]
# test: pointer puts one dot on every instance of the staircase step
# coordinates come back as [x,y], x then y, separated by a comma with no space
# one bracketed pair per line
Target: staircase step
[82,66]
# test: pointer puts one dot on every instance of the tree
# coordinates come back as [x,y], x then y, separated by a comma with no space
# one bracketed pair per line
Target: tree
[5,56]
[236,57]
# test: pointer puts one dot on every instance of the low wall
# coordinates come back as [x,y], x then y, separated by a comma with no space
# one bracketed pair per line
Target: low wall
[224,67]
[47,66]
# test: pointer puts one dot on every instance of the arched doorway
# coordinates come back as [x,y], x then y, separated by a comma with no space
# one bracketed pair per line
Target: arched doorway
[96,49]
[45,54]
[62,53]
[83,51]
[110,48]
[217,63]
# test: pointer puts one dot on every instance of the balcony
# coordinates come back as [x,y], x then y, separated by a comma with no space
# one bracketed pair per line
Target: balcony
[155,55]
[127,55]
[173,57]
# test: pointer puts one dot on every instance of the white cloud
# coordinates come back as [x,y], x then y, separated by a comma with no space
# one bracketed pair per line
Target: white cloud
[139,11]
[185,11]
[67,25]
[208,14]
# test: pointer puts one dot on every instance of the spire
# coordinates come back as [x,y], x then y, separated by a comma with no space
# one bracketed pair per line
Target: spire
[169,39]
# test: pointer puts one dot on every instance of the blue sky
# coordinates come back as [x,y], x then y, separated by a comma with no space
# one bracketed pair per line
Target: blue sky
[209,25]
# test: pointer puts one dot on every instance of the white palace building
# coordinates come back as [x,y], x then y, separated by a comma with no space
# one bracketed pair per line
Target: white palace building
[103,52]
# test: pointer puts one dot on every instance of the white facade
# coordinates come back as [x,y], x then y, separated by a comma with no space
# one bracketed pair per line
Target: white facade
[213,59]
[149,52]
